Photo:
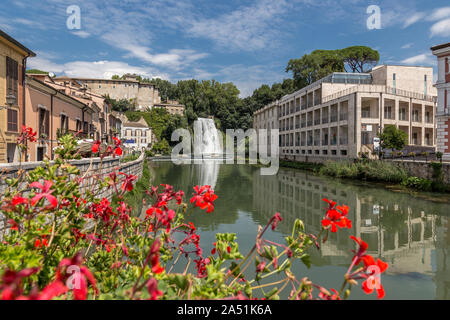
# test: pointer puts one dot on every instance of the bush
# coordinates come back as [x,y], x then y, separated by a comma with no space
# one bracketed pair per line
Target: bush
[162,147]
[418,183]
[365,170]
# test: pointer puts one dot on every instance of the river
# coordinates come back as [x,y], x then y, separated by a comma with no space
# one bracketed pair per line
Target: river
[408,231]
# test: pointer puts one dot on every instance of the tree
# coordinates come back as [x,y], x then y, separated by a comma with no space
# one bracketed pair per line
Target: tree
[360,58]
[393,138]
[314,66]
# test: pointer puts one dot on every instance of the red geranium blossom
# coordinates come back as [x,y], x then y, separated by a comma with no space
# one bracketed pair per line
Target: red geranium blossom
[375,269]
[45,193]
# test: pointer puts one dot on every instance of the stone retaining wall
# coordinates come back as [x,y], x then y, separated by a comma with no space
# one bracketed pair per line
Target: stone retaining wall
[99,168]
[424,170]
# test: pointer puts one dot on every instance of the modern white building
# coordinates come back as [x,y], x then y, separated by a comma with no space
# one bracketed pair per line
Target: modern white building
[137,135]
[340,115]
[442,52]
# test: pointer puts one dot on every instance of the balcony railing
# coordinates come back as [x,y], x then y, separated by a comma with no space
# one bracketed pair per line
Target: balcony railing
[343,116]
[333,118]
[316,122]
[343,140]
[333,142]
[325,119]
[317,142]
[303,124]
[309,123]
[324,142]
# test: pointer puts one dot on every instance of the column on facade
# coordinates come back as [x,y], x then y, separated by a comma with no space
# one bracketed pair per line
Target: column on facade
[422,118]
[338,132]
[410,121]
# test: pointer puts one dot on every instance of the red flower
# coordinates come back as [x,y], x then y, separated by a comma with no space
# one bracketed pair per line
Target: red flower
[375,269]
[14,225]
[154,257]
[275,219]
[128,182]
[336,217]
[96,146]
[19,200]
[79,277]
[198,195]
[152,287]
[11,285]
[46,193]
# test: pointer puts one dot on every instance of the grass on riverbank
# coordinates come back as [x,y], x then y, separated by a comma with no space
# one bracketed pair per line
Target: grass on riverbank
[379,171]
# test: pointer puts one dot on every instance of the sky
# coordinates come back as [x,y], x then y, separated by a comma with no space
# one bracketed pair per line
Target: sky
[246,42]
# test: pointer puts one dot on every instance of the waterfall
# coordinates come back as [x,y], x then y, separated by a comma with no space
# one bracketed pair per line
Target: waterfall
[207,141]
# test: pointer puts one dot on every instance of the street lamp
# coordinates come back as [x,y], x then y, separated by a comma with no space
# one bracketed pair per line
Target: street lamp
[10,100]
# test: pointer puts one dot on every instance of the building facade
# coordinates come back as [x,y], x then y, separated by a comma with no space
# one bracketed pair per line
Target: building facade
[51,113]
[442,52]
[173,107]
[340,115]
[137,135]
[145,95]
[13,58]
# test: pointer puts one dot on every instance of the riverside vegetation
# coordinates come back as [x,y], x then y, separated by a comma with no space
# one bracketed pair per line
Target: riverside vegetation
[62,244]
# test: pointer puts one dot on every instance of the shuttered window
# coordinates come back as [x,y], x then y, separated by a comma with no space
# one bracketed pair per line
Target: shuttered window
[12,120]
[12,77]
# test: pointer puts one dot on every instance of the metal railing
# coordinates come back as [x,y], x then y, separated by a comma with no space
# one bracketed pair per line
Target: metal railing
[379,89]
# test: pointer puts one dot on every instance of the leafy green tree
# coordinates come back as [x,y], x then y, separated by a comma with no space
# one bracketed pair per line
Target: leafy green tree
[360,58]
[314,66]
[393,138]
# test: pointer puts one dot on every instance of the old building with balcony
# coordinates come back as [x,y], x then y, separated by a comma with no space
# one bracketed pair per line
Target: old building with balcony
[13,58]
[137,136]
[442,52]
[340,115]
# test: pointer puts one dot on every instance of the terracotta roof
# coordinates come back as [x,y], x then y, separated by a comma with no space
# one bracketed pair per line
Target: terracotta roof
[135,125]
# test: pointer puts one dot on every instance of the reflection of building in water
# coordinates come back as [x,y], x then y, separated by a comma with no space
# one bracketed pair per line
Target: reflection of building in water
[442,273]
[399,230]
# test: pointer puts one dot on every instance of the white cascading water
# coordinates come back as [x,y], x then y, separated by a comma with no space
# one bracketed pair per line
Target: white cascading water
[206,138]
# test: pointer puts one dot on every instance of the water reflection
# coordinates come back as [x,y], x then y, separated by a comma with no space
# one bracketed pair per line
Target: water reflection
[411,234]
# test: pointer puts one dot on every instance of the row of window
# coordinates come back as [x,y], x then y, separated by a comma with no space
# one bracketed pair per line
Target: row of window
[315,152]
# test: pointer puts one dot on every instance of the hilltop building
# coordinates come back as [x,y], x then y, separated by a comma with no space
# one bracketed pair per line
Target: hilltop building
[442,52]
[340,115]
[146,95]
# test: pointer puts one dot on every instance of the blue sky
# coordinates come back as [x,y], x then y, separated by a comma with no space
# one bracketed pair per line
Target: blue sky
[247,42]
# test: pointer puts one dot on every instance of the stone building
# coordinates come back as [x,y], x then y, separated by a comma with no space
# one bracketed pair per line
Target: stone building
[13,59]
[145,95]
[340,115]
[443,111]
[172,106]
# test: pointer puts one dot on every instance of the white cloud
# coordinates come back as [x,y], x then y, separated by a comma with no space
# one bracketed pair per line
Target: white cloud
[413,19]
[441,28]
[440,13]
[422,59]
[82,34]
[407,46]
[246,28]
[91,69]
